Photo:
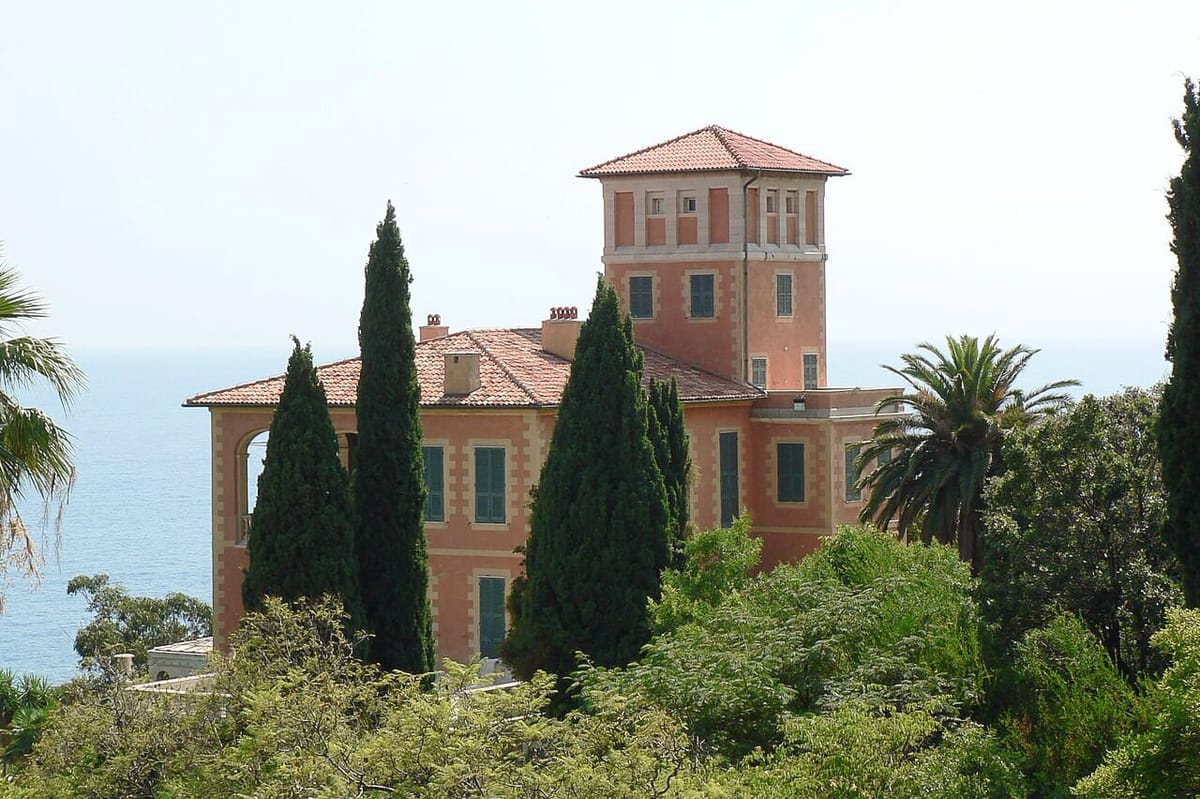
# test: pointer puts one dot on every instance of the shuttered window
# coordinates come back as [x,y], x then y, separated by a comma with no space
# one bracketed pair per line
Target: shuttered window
[491,616]
[853,492]
[435,486]
[489,484]
[702,304]
[641,296]
[729,477]
[783,294]
[790,459]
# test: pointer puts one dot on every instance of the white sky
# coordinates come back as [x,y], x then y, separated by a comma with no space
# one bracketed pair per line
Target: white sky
[210,174]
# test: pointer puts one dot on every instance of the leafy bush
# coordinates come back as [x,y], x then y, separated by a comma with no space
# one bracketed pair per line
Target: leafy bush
[25,706]
[864,620]
[855,752]
[717,564]
[1160,759]
[1072,704]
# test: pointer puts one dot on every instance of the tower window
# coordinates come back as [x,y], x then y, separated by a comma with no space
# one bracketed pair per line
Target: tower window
[783,294]
[758,372]
[641,296]
[810,370]
[702,305]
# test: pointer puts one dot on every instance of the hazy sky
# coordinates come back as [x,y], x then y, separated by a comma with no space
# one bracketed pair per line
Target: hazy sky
[210,174]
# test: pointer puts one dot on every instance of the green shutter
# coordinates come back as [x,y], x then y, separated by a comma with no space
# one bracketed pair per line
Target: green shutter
[489,485]
[729,477]
[435,488]
[790,462]
[853,493]
[783,295]
[702,295]
[491,615]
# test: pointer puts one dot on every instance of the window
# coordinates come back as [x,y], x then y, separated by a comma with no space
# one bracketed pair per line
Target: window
[657,206]
[810,370]
[772,201]
[489,484]
[641,296]
[491,616]
[758,372]
[783,294]
[687,204]
[853,492]
[790,459]
[435,487]
[702,296]
[729,477]
[810,217]
[790,203]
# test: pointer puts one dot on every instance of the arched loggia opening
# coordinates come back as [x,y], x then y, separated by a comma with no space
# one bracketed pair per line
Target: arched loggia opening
[256,451]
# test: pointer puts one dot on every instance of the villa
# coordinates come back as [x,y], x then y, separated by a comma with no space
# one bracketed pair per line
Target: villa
[715,243]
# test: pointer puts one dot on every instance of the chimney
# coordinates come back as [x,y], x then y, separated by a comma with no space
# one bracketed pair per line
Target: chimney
[561,331]
[462,372]
[433,328]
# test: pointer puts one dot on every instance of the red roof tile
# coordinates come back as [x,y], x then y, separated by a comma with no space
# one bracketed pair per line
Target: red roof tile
[514,371]
[711,149]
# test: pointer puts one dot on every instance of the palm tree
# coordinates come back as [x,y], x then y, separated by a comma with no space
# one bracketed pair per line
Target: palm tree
[35,453]
[960,403]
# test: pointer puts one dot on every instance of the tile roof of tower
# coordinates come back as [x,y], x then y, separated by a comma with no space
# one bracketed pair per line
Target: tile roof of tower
[711,149]
[514,372]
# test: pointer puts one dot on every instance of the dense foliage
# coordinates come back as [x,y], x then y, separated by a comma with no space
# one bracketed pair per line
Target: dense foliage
[1160,758]
[598,537]
[301,541]
[26,704]
[389,478]
[1070,705]
[669,437]
[945,447]
[1179,434]
[864,622]
[857,673]
[1074,524]
[35,453]
[133,624]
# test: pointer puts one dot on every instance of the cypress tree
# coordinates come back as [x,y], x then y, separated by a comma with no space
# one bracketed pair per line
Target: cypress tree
[389,481]
[598,533]
[301,541]
[670,439]
[1179,425]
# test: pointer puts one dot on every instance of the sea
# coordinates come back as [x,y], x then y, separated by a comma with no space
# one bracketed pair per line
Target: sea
[140,509]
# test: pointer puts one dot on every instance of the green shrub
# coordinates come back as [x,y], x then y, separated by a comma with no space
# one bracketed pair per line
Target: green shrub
[865,620]
[1161,759]
[1071,704]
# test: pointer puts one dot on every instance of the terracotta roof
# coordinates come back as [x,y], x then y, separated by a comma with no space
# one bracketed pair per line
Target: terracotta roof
[514,371]
[711,149]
